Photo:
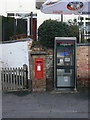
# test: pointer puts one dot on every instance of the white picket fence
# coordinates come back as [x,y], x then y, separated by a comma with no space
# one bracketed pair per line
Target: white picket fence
[14,78]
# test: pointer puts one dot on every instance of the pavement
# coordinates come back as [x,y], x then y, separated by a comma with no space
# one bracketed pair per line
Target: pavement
[44,105]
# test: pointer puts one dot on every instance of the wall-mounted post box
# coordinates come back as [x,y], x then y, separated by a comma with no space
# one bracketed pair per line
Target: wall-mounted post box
[39,70]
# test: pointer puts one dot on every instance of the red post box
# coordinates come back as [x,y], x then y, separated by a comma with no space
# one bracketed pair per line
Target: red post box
[39,70]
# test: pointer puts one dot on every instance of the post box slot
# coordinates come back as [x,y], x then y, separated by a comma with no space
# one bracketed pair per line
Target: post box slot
[38,61]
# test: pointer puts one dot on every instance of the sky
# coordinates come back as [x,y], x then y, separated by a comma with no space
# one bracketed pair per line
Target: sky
[27,6]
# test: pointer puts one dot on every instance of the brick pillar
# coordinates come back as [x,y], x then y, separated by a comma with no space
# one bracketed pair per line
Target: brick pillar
[38,83]
[83,75]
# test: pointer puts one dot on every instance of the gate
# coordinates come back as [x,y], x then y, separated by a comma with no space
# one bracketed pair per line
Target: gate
[14,78]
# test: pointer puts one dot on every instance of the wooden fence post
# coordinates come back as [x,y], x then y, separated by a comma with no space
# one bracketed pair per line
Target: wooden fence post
[5,79]
[19,78]
[8,77]
[25,74]
[16,78]
[22,78]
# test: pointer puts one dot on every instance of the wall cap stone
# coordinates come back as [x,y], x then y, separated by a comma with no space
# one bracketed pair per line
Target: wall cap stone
[83,44]
[38,53]
[14,41]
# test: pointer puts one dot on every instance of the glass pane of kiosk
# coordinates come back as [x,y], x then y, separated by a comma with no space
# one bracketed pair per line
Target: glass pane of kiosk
[65,66]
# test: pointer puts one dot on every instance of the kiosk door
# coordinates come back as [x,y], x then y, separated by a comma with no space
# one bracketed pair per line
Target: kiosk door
[65,62]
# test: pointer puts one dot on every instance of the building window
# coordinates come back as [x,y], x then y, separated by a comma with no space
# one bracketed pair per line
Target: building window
[87,19]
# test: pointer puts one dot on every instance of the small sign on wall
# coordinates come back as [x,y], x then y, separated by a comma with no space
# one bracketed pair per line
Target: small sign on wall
[38,68]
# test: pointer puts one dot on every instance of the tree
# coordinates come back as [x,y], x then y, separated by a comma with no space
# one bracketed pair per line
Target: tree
[50,29]
[75,31]
[72,22]
[74,26]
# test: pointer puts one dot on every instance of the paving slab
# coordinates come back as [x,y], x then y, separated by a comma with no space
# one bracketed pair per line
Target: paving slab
[44,105]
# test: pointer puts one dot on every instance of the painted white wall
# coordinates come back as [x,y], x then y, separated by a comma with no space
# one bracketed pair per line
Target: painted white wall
[14,54]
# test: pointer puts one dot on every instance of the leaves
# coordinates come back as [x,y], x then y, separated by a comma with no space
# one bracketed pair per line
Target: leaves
[50,29]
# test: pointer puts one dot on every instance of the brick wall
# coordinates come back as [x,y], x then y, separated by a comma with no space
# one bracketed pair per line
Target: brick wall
[38,84]
[82,61]
[49,70]
[82,68]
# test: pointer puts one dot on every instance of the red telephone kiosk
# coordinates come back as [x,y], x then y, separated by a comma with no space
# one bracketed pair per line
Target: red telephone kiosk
[39,71]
